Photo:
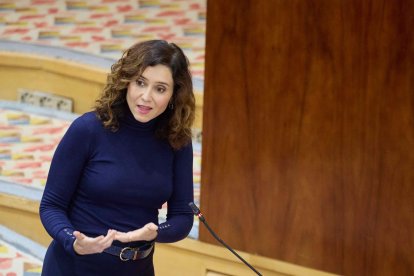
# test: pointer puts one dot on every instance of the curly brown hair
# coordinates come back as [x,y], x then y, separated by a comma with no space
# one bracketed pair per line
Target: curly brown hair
[174,125]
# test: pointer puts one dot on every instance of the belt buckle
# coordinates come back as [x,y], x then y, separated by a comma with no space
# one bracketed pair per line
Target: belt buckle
[123,251]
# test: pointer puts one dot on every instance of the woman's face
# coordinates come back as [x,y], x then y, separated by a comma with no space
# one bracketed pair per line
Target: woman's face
[149,94]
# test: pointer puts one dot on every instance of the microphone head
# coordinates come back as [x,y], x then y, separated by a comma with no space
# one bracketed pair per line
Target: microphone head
[194,208]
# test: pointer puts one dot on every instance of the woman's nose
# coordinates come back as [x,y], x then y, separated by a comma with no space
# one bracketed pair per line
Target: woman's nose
[146,95]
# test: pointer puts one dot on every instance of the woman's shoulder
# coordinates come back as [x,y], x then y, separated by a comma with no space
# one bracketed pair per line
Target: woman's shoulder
[88,120]
[90,117]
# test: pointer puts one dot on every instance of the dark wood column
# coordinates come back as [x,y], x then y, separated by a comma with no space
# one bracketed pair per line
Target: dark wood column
[308,132]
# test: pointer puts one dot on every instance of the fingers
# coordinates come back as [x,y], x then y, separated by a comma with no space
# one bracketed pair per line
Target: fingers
[108,239]
[151,231]
[87,245]
[129,236]
[146,233]
[151,226]
[119,235]
[78,235]
[123,237]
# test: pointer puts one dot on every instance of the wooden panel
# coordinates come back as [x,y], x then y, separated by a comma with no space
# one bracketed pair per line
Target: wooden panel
[194,258]
[308,132]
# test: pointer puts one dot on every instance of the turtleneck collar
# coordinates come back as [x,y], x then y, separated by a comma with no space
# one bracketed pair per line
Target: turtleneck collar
[129,121]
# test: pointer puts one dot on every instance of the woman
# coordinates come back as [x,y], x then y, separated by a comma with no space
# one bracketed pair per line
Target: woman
[116,166]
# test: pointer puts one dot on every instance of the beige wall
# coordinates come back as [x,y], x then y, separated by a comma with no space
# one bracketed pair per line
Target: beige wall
[81,83]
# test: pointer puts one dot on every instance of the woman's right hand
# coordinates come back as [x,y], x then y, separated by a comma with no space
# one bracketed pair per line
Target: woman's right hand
[147,233]
[84,245]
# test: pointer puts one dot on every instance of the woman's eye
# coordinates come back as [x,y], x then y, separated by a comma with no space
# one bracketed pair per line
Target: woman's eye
[140,83]
[161,89]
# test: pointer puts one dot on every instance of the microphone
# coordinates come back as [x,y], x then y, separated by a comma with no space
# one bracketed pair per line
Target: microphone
[198,213]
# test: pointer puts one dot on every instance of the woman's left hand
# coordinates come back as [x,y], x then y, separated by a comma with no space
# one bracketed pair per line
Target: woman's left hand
[147,233]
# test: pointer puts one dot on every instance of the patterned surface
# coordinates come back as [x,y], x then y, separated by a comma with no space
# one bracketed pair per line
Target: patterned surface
[15,262]
[106,27]
[19,256]
[27,144]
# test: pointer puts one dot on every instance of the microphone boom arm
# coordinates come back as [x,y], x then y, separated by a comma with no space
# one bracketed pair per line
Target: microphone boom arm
[198,213]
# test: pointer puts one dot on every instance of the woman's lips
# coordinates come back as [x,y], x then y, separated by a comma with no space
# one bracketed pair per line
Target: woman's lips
[144,109]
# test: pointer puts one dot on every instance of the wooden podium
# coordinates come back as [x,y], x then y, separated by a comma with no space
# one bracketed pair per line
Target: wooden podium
[308,132]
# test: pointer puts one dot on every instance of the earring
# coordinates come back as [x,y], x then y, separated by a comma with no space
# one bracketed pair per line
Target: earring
[171,105]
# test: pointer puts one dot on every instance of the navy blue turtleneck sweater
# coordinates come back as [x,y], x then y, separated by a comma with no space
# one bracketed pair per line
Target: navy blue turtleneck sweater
[101,180]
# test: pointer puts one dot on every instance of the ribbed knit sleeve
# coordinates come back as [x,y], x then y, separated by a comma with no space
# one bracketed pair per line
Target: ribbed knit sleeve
[64,174]
[179,215]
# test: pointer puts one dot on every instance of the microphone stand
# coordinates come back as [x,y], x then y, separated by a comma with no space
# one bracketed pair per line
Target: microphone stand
[198,213]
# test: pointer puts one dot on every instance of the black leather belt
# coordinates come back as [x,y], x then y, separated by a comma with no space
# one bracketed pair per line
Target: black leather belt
[130,253]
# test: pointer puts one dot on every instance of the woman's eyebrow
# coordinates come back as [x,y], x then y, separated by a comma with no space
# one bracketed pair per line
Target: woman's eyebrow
[159,82]
[164,83]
